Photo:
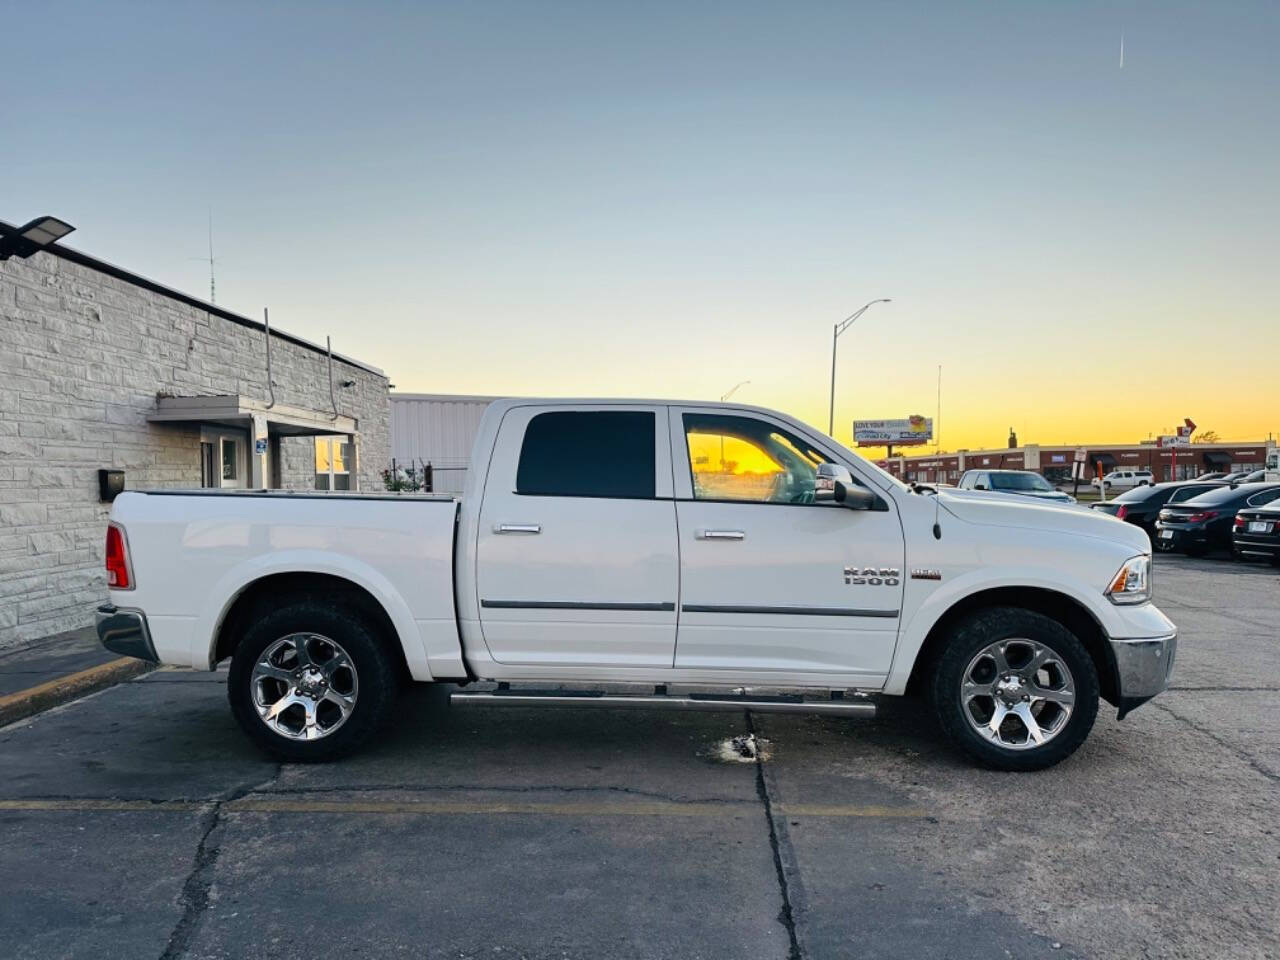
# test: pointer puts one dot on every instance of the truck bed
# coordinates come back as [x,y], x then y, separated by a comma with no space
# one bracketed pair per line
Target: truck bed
[196,552]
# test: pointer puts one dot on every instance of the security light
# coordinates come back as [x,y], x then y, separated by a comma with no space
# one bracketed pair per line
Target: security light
[32,236]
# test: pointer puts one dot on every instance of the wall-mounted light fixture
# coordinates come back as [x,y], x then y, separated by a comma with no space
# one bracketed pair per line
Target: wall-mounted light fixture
[32,236]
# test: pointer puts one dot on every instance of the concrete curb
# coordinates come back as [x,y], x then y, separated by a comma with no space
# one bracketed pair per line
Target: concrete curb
[26,703]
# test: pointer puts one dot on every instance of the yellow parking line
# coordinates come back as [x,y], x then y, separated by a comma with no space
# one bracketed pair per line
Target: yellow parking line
[91,805]
[847,810]
[465,808]
[489,808]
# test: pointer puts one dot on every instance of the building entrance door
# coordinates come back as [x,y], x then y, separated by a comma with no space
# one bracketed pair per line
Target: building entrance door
[224,461]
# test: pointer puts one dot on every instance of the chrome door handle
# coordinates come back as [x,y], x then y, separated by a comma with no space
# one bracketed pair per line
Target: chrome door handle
[517,528]
[719,535]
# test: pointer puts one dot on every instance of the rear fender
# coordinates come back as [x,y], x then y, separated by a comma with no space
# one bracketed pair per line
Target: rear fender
[228,589]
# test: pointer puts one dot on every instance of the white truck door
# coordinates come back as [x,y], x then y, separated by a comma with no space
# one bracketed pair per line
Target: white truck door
[576,547]
[770,580]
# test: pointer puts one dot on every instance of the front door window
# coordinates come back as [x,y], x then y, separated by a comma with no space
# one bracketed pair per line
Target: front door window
[749,460]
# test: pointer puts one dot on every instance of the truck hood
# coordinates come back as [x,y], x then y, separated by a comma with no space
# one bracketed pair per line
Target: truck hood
[1014,510]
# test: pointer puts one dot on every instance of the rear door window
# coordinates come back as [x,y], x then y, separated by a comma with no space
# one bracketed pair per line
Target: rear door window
[1258,499]
[589,454]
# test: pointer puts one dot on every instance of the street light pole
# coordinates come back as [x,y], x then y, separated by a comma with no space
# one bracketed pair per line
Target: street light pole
[723,397]
[838,329]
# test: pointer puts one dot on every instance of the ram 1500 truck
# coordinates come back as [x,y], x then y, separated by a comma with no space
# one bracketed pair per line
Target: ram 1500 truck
[646,553]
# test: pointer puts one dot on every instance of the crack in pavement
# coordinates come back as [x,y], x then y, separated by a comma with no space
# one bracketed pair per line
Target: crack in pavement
[195,889]
[1216,611]
[1220,741]
[777,839]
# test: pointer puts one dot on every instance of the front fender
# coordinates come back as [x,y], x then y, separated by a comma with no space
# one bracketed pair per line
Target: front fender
[935,599]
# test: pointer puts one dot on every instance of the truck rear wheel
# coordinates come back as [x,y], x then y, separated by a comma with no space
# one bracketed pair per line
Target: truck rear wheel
[1015,689]
[311,681]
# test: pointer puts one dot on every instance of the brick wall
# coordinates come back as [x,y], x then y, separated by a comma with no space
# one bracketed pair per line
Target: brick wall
[82,357]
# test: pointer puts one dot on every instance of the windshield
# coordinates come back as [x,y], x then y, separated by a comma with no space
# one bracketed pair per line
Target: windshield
[1023,482]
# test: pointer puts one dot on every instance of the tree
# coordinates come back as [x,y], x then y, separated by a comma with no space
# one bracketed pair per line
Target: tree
[1207,436]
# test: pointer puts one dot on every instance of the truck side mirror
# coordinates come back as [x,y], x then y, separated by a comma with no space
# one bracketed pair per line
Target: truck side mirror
[979,486]
[830,477]
[855,498]
[834,484]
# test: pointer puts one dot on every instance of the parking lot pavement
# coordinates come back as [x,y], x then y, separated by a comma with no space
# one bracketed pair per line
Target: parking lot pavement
[138,822]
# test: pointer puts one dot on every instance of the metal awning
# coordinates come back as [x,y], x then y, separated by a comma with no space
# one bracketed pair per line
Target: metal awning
[1216,458]
[233,410]
[1106,459]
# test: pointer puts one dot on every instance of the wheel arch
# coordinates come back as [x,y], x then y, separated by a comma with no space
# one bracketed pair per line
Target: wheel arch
[270,589]
[1058,606]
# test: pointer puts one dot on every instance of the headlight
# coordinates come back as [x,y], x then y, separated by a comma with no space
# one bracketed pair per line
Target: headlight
[1132,584]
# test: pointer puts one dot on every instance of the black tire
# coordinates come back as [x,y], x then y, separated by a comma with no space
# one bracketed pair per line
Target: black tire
[369,653]
[977,631]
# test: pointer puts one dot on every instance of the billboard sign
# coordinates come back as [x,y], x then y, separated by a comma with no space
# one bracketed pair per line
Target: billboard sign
[880,433]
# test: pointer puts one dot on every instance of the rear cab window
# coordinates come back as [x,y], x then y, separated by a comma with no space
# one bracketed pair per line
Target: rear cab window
[575,453]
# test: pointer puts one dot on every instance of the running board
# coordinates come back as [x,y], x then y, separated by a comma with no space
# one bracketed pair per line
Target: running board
[854,706]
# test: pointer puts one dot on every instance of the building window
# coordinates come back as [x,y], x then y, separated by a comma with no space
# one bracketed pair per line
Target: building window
[334,458]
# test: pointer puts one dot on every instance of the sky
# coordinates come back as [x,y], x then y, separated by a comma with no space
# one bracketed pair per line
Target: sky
[666,199]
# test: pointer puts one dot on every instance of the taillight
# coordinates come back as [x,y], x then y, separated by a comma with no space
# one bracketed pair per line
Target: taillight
[1122,512]
[1202,516]
[118,577]
[1239,522]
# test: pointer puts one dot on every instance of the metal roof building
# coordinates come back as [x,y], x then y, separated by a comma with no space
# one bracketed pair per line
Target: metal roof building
[436,429]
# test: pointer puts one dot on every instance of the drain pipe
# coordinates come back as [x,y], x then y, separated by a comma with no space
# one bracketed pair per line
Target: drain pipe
[271,390]
[328,341]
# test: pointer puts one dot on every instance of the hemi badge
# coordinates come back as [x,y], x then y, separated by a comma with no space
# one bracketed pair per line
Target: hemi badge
[920,574]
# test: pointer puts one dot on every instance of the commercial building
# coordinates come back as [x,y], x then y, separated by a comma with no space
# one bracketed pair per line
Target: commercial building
[108,377]
[1054,462]
[435,431]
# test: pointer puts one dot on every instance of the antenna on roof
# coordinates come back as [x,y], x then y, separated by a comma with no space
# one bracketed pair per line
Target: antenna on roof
[213,293]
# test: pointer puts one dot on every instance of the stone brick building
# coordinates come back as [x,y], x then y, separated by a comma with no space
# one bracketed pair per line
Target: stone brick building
[103,369]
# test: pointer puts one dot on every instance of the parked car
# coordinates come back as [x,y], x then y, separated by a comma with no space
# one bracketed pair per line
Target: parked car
[1204,522]
[1024,483]
[1211,476]
[1255,476]
[591,533]
[1234,477]
[1256,532]
[1123,479]
[1142,505]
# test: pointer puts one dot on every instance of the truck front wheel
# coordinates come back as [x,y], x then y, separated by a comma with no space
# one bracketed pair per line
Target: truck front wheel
[310,681]
[1015,689]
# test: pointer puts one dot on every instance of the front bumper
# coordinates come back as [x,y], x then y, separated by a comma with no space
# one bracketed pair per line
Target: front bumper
[1143,669]
[125,632]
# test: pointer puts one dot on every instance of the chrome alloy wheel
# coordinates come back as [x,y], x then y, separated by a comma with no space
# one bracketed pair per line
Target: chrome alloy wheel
[1017,693]
[304,686]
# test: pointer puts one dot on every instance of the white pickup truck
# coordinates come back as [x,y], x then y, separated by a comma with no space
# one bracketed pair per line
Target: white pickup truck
[646,553]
